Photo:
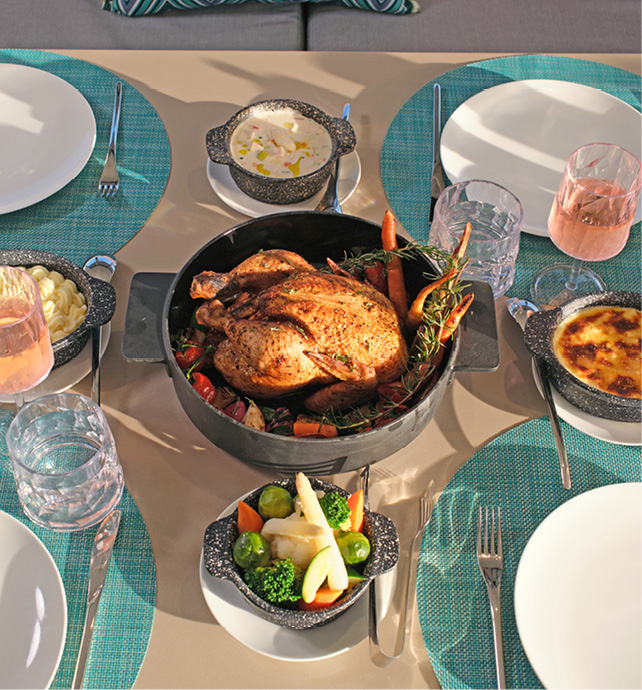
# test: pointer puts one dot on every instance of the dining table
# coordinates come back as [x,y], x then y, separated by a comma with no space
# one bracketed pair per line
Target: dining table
[180,481]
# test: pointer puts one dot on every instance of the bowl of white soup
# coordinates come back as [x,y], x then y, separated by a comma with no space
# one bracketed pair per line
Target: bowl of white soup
[280,151]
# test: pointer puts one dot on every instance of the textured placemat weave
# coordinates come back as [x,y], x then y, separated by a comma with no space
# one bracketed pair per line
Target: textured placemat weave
[406,166]
[75,222]
[520,472]
[126,612]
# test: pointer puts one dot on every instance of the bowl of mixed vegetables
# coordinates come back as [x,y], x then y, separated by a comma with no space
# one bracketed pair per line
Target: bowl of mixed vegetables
[301,550]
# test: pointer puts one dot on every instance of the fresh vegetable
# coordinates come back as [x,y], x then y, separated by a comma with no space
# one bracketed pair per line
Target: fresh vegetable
[279,583]
[336,510]
[204,387]
[248,520]
[316,574]
[251,550]
[254,417]
[355,503]
[354,547]
[354,576]
[275,502]
[284,527]
[396,285]
[190,355]
[322,599]
[236,410]
[311,428]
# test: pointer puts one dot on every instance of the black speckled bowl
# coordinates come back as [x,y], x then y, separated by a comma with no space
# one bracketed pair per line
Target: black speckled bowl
[99,295]
[280,190]
[538,336]
[217,555]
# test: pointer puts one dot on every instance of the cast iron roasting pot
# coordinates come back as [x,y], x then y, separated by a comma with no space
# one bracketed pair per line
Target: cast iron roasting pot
[159,305]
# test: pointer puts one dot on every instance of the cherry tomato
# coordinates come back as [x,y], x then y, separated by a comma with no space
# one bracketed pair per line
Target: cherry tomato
[204,387]
[190,352]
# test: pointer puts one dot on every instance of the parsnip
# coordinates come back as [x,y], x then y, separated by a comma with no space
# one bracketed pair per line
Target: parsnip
[291,528]
[337,574]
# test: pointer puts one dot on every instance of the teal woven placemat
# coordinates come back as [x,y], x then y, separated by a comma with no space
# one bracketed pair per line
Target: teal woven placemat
[126,612]
[406,167]
[75,222]
[518,471]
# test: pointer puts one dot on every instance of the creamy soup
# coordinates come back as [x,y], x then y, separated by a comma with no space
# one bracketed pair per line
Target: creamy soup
[601,346]
[281,143]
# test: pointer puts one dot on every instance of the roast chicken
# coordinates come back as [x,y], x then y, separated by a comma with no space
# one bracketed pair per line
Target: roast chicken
[285,326]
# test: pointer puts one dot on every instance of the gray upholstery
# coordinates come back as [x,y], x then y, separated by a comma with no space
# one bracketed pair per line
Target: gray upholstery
[84,24]
[520,26]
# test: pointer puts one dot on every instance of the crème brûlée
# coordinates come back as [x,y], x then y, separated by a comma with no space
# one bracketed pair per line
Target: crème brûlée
[601,347]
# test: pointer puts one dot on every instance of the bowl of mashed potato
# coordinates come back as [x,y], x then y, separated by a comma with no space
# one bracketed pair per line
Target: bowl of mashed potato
[280,151]
[73,302]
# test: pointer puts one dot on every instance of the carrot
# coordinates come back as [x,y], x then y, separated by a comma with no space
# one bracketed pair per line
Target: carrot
[323,598]
[416,311]
[248,519]
[302,428]
[396,286]
[355,503]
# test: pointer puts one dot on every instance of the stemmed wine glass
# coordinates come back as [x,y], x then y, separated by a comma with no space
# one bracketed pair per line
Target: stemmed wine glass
[26,355]
[590,219]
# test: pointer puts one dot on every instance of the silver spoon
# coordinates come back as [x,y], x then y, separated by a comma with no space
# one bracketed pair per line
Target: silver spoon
[330,200]
[101,266]
[520,310]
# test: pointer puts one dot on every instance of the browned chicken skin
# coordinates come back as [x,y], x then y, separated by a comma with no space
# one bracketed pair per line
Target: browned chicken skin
[300,327]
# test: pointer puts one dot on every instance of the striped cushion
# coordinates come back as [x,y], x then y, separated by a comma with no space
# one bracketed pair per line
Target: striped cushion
[137,8]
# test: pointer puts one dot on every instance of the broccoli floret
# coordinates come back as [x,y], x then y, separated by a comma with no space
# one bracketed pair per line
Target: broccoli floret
[279,583]
[336,510]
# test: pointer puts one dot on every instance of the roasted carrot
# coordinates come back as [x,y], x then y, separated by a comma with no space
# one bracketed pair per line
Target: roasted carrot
[447,330]
[323,598]
[355,503]
[303,428]
[396,286]
[416,311]
[248,519]
[376,276]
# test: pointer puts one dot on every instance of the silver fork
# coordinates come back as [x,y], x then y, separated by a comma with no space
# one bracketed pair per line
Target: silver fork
[109,179]
[490,560]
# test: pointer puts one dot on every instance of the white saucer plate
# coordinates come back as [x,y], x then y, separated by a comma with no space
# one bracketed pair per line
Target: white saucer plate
[47,134]
[33,609]
[578,600]
[622,433]
[242,621]
[67,375]
[520,134]
[222,183]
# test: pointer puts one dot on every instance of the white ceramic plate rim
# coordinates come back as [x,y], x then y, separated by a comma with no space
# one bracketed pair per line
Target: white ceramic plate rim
[622,433]
[240,619]
[33,169]
[485,133]
[54,632]
[67,375]
[225,188]
[578,578]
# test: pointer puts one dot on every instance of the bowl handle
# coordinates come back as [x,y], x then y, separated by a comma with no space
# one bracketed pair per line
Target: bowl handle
[216,143]
[344,133]
[385,558]
[216,549]
[103,303]
[478,349]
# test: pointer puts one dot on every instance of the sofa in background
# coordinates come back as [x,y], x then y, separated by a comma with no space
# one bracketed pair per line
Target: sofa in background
[517,26]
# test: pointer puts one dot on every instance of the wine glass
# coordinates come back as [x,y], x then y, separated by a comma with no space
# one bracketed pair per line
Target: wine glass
[26,355]
[590,219]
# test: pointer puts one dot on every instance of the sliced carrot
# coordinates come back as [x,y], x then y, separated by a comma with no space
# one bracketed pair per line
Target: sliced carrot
[315,429]
[248,519]
[396,285]
[355,503]
[323,598]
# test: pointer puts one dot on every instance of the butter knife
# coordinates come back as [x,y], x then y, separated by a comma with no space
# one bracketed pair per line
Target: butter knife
[437,183]
[99,564]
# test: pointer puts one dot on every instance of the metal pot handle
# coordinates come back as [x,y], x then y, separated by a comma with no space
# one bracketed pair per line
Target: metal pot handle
[216,143]
[216,549]
[478,349]
[384,558]
[103,303]
[142,339]
[345,135]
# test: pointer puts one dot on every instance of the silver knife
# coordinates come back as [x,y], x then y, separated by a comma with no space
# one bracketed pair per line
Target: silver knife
[437,183]
[100,555]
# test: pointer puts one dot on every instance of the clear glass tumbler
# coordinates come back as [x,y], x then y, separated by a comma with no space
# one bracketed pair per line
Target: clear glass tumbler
[496,216]
[64,462]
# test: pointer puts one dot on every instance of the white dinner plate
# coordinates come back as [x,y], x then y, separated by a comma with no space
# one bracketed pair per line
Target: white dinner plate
[33,609]
[226,189]
[623,433]
[578,599]
[520,134]
[67,375]
[241,620]
[47,133]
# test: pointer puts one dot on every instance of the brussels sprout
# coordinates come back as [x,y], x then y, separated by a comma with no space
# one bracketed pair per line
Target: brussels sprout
[275,502]
[354,547]
[251,550]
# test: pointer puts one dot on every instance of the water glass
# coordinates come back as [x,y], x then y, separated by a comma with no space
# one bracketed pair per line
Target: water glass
[496,216]
[64,462]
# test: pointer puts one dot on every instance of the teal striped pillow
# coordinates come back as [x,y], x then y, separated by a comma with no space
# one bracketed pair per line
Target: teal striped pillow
[138,8]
